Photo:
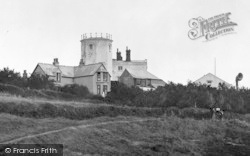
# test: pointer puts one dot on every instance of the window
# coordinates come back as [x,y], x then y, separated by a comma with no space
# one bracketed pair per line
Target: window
[98,76]
[209,81]
[110,48]
[143,83]
[58,77]
[148,82]
[98,89]
[119,67]
[105,76]
[105,89]
[138,81]
[91,46]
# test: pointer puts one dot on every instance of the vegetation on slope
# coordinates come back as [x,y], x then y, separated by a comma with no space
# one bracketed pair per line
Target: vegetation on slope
[176,133]
[49,109]
[155,136]
[183,96]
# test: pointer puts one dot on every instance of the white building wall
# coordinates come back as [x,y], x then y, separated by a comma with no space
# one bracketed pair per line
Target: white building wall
[100,52]
[66,80]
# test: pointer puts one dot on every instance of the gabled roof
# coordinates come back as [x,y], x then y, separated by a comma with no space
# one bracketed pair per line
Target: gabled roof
[142,74]
[87,69]
[71,71]
[67,71]
[50,69]
[212,80]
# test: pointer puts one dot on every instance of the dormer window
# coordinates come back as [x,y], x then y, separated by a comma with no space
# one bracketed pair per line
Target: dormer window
[105,76]
[58,77]
[99,76]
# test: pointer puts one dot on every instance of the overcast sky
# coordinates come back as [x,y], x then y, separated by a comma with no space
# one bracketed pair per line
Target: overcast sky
[33,31]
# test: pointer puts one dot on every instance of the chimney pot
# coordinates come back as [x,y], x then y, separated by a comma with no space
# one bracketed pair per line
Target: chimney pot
[118,55]
[56,63]
[128,54]
[81,62]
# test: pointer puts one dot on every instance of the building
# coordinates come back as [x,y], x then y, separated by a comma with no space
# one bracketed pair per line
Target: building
[119,65]
[211,80]
[96,48]
[94,76]
[140,78]
[97,68]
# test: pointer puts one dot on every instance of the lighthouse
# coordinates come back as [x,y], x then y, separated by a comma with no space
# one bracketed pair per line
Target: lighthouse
[97,48]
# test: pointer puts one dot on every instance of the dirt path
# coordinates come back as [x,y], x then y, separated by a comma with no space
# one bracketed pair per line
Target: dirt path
[75,128]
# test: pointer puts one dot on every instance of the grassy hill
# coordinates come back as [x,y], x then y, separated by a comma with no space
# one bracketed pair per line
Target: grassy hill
[101,129]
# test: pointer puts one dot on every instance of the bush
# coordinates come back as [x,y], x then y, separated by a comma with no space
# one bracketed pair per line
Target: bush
[7,88]
[96,97]
[122,94]
[37,81]
[8,76]
[48,110]
[75,89]
[182,96]
[196,113]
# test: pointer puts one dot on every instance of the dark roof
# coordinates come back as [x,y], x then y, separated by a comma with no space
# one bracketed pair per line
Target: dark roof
[71,71]
[87,69]
[142,74]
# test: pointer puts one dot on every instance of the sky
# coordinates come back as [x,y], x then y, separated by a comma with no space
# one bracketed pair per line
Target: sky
[34,31]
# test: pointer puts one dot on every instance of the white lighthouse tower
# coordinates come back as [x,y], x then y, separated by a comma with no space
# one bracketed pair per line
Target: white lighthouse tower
[97,48]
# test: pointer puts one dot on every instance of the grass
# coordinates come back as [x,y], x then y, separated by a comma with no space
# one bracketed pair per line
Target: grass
[16,127]
[7,98]
[40,108]
[82,130]
[161,136]
[44,108]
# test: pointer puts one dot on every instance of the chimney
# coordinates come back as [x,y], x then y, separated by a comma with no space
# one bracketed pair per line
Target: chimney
[81,62]
[25,75]
[55,63]
[118,55]
[128,54]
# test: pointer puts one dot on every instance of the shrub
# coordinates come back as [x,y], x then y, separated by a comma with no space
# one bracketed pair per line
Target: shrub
[182,96]
[11,89]
[37,81]
[48,110]
[8,76]
[75,89]
[196,113]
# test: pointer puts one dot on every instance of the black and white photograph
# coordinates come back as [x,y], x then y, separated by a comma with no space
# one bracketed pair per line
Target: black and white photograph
[124,78]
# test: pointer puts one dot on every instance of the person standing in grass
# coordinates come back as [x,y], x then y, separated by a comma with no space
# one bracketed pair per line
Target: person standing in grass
[216,113]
